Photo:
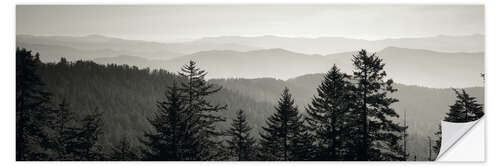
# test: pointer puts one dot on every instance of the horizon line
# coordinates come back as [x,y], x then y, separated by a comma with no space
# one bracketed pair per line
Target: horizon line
[185,40]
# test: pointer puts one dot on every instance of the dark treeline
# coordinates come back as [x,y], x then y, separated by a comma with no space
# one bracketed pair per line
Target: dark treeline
[350,118]
[47,133]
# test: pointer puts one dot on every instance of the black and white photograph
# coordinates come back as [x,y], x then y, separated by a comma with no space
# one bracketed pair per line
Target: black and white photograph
[246,82]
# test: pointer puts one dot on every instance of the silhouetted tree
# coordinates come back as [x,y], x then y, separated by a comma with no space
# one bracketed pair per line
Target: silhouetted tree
[241,143]
[174,137]
[33,110]
[123,151]
[330,116]
[203,120]
[285,137]
[66,130]
[87,147]
[128,95]
[465,109]
[378,131]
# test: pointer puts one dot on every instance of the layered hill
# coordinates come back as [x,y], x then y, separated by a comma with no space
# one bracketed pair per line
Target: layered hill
[407,66]
[328,45]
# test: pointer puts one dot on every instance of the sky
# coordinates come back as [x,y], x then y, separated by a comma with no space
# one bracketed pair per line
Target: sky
[174,23]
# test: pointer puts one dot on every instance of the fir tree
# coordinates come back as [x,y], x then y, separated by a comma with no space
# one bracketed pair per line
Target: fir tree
[465,109]
[285,137]
[86,147]
[203,117]
[329,116]
[123,151]
[32,109]
[241,143]
[173,138]
[66,131]
[378,131]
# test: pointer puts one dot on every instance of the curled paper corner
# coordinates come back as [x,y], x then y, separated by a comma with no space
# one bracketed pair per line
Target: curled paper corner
[452,133]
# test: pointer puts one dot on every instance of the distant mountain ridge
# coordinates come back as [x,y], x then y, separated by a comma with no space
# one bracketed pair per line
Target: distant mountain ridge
[96,46]
[425,67]
[328,45]
[407,66]
[226,57]
[321,45]
[274,63]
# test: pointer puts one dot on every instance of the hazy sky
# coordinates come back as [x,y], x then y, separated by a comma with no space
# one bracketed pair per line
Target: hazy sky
[171,23]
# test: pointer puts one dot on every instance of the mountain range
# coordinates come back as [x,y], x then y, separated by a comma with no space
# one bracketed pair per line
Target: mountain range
[324,45]
[439,62]
[94,46]
[407,66]
[328,45]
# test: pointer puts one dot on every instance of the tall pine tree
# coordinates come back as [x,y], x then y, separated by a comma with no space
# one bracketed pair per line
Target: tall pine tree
[173,137]
[330,116]
[33,110]
[204,117]
[241,143]
[377,131]
[285,137]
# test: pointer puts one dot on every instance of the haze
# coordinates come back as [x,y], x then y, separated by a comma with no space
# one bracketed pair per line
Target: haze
[175,23]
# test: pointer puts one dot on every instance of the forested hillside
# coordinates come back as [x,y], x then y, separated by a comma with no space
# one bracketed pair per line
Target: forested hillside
[425,107]
[128,95]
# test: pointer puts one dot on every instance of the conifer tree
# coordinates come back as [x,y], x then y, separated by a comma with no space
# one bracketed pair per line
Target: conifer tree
[301,147]
[285,137]
[32,108]
[86,147]
[123,151]
[328,116]
[66,131]
[173,137]
[378,131]
[269,144]
[241,143]
[465,109]
[204,117]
